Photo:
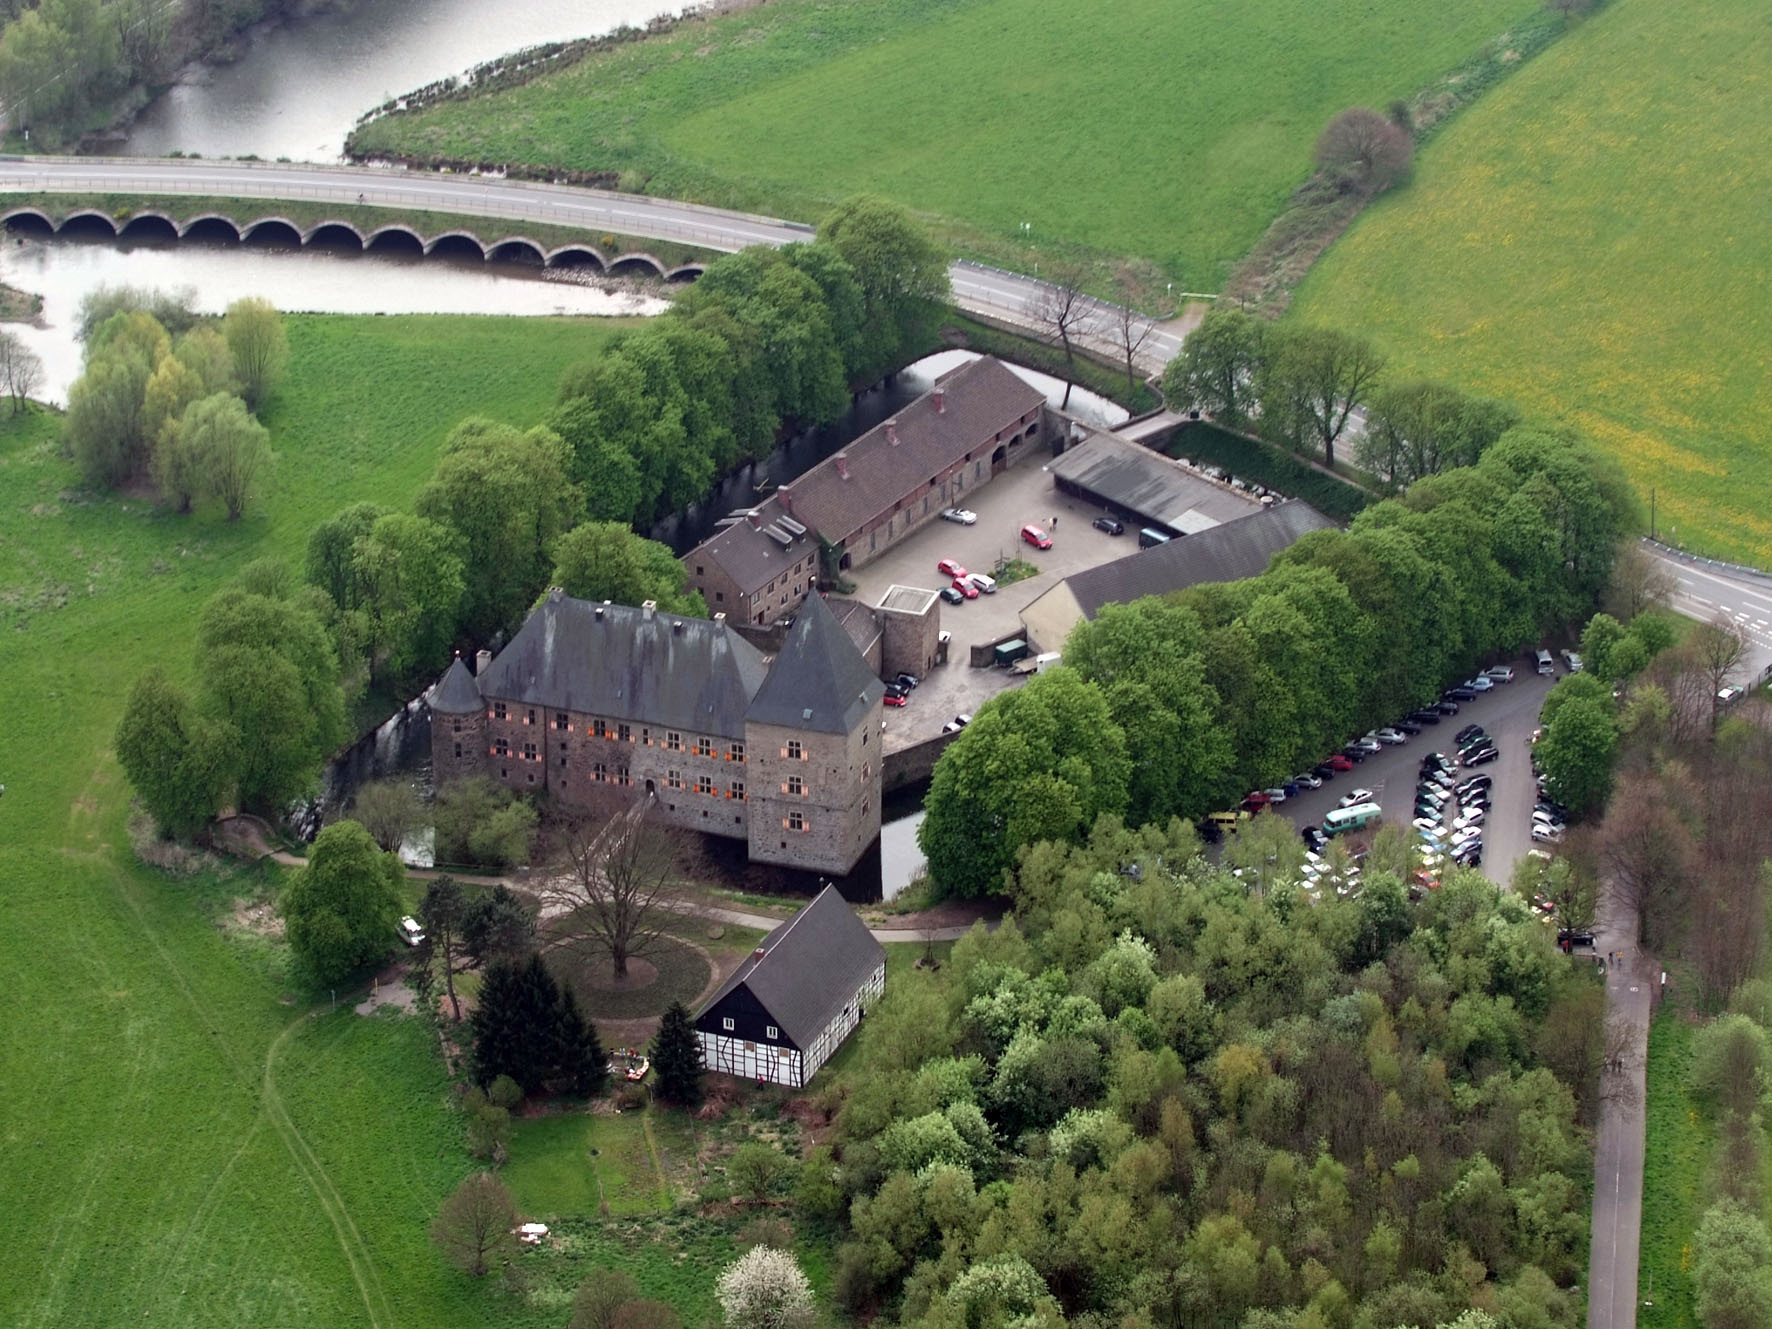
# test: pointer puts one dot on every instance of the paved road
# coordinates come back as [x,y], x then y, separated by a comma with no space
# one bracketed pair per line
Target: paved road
[1703,589]
[990,292]
[1509,712]
[1618,1147]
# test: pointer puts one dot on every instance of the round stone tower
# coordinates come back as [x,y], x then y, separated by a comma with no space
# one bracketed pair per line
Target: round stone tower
[458,726]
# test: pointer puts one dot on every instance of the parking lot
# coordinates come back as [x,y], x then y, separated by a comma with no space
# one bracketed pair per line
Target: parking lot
[1510,713]
[1021,495]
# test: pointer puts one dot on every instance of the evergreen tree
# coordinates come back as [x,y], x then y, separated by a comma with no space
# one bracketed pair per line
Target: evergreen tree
[579,1058]
[676,1057]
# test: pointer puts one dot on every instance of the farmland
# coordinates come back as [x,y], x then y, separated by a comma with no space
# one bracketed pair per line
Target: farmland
[1171,130]
[186,1144]
[1598,245]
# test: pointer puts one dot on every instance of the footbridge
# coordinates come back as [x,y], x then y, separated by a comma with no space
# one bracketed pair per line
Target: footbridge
[989,293]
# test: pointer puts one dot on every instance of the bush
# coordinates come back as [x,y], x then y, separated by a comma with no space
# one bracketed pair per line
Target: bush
[506,1093]
[600,1297]
[764,1289]
[756,1169]
[765,1230]
[1269,466]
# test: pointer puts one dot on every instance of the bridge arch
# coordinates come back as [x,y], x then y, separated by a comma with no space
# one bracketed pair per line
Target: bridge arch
[396,239]
[334,235]
[636,264]
[456,244]
[576,256]
[271,231]
[686,274]
[210,226]
[87,222]
[517,249]
[28,221]
[148,225]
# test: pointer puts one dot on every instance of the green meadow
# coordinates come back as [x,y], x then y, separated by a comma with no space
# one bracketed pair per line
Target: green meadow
[1167,130]
[1591,240]
[187,1142]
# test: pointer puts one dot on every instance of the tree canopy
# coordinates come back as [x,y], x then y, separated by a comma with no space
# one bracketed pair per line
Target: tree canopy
[341,910]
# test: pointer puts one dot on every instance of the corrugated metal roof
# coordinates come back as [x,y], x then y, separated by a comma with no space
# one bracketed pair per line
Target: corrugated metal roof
[1150,485]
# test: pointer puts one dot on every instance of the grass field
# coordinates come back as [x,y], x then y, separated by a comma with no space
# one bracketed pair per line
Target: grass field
[1169,130]
[1677,1150]
[184,1144]
[1591,240]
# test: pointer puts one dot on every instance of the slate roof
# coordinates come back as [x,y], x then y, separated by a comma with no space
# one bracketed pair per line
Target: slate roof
[818,680]
[1229,552]
[809,968]
[749,557]
[628,664]
[456,692]
[1137,480]
[978,400]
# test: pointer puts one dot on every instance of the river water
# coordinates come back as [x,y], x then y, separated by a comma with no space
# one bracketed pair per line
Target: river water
[300,86]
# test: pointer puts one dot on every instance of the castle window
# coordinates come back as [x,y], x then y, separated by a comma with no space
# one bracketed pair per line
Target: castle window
[794,751]
[674,779]
[529,718]
[795,786]
[562,745]
[645,737]
[458,749]
[719,597]
[529,753]
[735,752]
[456,726]
[622,777]
[796,821]
[737,790]
[674,740]
[599,771]
[501,747]
[866,770]
[624,734]
[599,727]
[704,747]
[499,712]
[704,784]
[561,722]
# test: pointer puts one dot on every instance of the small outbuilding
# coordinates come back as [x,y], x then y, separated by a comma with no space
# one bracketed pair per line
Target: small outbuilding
[795,998]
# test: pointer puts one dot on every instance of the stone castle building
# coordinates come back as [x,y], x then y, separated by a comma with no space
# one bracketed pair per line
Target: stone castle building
[589,700]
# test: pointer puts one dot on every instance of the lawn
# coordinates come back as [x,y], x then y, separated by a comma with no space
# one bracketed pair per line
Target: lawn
[1168,130]
[1676,1152]
[1596,240]
[183,1144]
[579,1164]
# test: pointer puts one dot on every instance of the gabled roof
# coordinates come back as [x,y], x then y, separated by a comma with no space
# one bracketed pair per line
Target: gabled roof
[1135,479]
[803,972]
[456,692]
[749,557]
[631,664]
[1229,552]
[977,401]
[818,680]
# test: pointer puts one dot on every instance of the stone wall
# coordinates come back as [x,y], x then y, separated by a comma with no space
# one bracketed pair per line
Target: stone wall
[908,765]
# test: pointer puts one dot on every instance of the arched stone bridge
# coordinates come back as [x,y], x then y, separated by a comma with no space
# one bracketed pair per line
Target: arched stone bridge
[148,224]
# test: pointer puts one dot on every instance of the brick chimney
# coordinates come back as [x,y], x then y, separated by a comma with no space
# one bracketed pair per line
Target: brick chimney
[786,498]
[482,661]
[842,465]
[755,518]
[892,432]
[941,402]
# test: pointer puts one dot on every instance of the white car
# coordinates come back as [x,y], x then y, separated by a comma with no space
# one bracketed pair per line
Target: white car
[1390,736]
[410,932]
[1471,817]
[1308,781]
[964,516]
[1369,745]
[1275,795]
[1499,674]
[1481,683]
[1427,826]
[1546,834]
[1354,796]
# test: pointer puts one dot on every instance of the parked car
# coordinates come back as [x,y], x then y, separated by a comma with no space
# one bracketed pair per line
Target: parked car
[1468,731]
[956,724]
[1036,536]
[1337,762]
[1388,736]
[1471,816]
[1730,695]
[1436,761]
[1256,801]
[965,588]
[1314,837]
[1572,662]
[1427,825]
[1356,796]
[1546,835]
[1408,728]
[1309,780]
[1353,752]
[1476,782]
[1478,757]
[907,681]
[1572,938]
[1427,715]
[964,516]
[1500,673]
[1368,744]
[1276,795]
[981,581]
[1112,525]
[1481,683]
[1446,706]
[952,596]
[894,698]
[1480,739]
[1470,855]
[951,567]
[410,932]
[1460,693]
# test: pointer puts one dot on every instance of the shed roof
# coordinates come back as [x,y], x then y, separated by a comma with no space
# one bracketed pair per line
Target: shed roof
[818,680]
[632,664]
[1137,480]
[977,402]
[803,972]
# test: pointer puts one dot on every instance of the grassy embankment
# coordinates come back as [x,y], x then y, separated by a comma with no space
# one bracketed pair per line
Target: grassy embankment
[306,213]
[1590,242]
[1677,1149]
[185,1145]
[1166,130]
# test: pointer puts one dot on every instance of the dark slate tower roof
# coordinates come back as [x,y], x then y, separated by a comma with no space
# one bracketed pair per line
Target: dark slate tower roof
[819,681]
[456,692]
[803,972]
[628,664]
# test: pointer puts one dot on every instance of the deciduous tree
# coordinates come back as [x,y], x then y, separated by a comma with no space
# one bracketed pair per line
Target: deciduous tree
[901,272]
[1066,315]
[606,560]
[229,450]
[617,888]
[443,914]
[254,333]
[477,1224]
[177,761]
[389,810]
[600,1298]
[1219,367]
[764,1289]
[21,370]
[1364,150]
[1312,381]
[343,907]
[409,571]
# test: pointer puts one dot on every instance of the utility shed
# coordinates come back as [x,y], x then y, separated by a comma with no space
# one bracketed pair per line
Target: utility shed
[1151,489]
[794,1000]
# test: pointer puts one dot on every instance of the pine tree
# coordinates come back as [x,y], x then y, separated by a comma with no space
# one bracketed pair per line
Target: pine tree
[676,1057]
[579,1058]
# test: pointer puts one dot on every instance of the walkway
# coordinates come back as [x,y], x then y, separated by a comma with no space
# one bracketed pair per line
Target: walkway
[985,292]
[1618,1147]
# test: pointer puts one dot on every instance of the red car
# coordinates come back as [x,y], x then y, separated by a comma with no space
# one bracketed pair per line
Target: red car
[1256,802]
[1339,762]
[1036,536]
[950,568]
[966,588]
[894,699]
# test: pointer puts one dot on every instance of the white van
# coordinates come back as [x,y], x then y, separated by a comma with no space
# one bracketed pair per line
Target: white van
[1542,660]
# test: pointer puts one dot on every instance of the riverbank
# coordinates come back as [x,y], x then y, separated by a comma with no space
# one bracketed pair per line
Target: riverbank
[19,306]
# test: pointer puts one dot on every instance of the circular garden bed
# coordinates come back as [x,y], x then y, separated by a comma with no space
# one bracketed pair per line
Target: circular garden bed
[671,970]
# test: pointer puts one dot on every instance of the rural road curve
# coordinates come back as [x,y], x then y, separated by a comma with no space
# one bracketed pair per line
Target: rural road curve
[1703,590]
[1007,297]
